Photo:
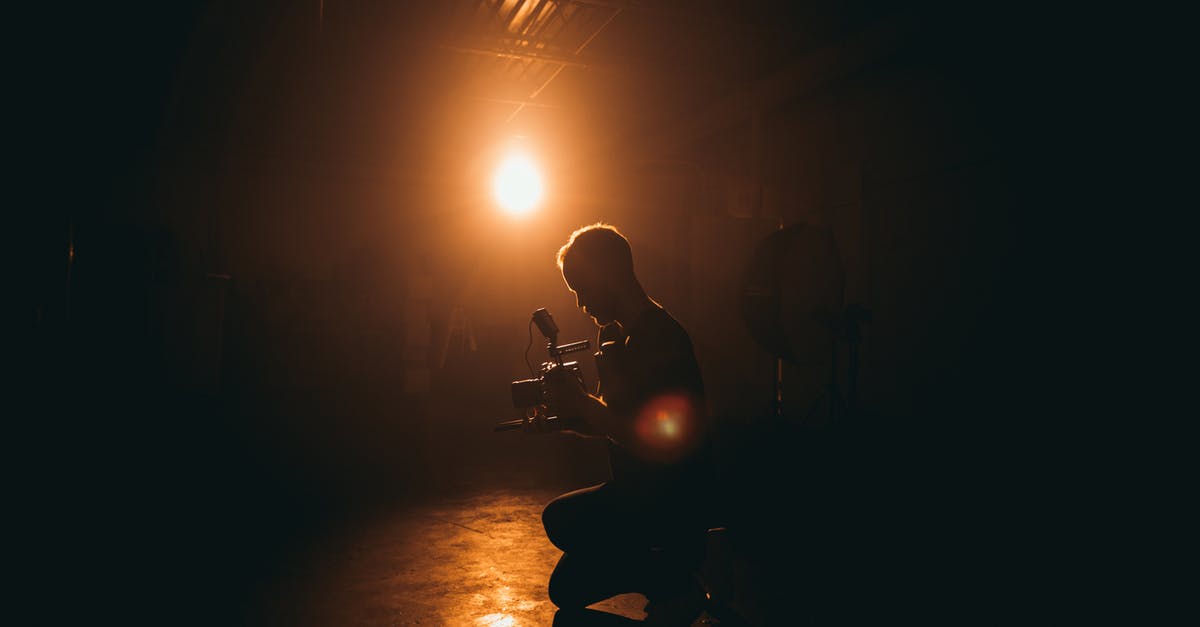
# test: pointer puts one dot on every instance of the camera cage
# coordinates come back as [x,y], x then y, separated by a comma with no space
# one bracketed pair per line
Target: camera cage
[530,394]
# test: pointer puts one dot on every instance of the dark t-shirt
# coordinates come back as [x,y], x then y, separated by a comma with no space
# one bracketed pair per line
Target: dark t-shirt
[649,375]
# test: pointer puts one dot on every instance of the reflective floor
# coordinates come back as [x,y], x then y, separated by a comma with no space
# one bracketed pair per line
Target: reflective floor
[479,560]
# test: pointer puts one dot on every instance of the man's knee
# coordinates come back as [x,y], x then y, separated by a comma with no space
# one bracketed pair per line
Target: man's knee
[575,585]
[555,522]
[572,520]
[564,595]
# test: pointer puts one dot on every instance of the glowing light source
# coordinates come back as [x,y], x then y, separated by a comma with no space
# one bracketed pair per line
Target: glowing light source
[517,185]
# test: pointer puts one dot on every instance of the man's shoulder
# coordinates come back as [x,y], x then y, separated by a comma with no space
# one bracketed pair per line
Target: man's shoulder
[657,325]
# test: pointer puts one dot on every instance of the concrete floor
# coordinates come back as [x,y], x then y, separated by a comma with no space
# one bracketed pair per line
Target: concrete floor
[479,560]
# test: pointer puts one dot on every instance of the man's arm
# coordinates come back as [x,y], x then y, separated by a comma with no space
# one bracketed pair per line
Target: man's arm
[577,406]
[605,421]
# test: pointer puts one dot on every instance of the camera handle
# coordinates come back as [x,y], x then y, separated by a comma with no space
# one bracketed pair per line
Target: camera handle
[545,324]
[556,352]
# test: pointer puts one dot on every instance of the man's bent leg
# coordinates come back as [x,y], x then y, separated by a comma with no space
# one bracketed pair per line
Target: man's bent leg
[581,579]
[580,521]
[578,582]
[582,524]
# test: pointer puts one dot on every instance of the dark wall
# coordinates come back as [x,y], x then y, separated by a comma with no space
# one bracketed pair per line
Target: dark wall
[921,166]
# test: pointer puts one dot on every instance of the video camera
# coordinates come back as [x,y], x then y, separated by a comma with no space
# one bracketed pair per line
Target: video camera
[532,395]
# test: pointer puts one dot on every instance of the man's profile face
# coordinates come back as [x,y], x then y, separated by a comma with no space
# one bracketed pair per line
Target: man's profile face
[593,295]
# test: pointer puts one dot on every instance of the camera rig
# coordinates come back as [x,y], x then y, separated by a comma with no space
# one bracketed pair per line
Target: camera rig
[531,395]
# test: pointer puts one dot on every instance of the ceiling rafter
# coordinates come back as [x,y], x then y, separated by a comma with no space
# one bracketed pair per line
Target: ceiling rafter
[665,50]
[536,42]
[575,53]
[513,54]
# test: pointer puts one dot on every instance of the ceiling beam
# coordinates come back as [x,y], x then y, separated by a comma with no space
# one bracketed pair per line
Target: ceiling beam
[523,103]
[515,54]
[560,68]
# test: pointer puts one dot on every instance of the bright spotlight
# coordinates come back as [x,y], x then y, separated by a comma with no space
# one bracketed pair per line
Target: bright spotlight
[517,185]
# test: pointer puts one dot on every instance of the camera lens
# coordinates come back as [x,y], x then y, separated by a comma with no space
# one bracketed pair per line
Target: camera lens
[527,393]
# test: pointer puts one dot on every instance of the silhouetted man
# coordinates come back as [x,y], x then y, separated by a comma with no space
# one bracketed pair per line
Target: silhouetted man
[643,530]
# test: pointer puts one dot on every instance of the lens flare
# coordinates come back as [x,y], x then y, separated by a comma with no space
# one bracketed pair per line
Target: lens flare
[517,185]
[668,427]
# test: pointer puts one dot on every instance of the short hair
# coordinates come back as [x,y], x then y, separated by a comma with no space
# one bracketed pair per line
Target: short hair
[602,246]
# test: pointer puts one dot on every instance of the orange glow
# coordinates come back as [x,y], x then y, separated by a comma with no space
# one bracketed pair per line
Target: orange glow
[517,185]
[668,424]
[667,427]
[496,620]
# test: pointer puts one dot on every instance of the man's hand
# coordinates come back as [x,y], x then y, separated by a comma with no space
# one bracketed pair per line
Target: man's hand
[538,422]
[572,403]
[566,393]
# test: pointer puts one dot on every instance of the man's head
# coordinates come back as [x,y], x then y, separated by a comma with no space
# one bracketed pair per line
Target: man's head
[597,264]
